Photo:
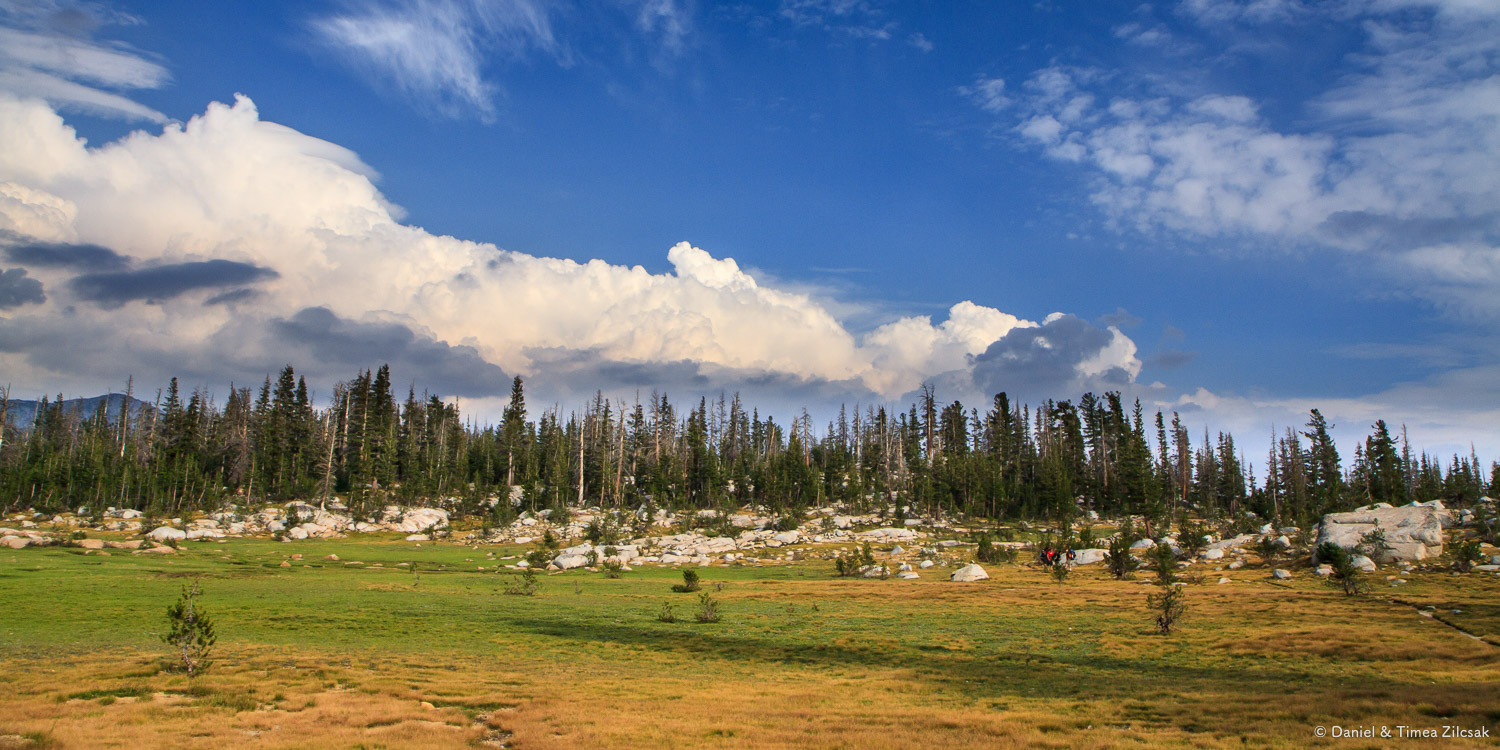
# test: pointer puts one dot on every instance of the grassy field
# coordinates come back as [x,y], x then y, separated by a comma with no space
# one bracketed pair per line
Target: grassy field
[359,652]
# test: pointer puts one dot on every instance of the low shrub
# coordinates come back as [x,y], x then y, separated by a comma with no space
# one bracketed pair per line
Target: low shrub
[1268,548]
[666,614]
[1190,538]
[524,584]
[1121,562]
[689,582]
[1466,554]
[708,609]
[1165,562]
[1167,606]
[1346,575]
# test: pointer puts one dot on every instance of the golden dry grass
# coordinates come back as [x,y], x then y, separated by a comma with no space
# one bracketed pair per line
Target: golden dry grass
[1017,661]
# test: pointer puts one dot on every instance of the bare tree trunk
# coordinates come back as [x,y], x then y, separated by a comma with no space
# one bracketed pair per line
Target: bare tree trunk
[327,463]
[4,412]
[620,460]
[125,413]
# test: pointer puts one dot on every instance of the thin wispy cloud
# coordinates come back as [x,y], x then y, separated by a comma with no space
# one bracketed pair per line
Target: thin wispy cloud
[858,19]
[47,51]
[450,57]
[988,93]
[1222,12]
[668,22]
[1409,135]
[436,52]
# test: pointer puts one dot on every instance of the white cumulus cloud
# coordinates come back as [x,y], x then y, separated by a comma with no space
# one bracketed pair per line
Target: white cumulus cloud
[224,233]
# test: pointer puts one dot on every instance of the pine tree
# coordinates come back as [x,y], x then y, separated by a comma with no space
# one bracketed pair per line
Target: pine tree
[190,632]
[1324,475]
[513,433]
[1387,480]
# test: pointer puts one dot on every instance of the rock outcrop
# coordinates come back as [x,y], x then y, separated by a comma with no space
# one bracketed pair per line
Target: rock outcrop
[165,533]
[1413,532]
[970,572]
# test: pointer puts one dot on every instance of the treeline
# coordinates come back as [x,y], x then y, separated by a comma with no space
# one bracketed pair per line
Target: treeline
[1010,461]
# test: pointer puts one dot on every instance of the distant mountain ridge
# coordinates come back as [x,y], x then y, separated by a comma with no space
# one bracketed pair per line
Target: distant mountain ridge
[21,412]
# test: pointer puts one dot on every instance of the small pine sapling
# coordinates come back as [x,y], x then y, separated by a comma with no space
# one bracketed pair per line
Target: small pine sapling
[1372,544]
[523,585]
[1466,554]
[856,563]
[1346,575]
[1190,538]
[1486,521]
[1121,562]
[1167,606]
[599,532]
[986,549]
[1165,562]
[689,582]
[708,609]
[1086,537]
[1268,548]
[190,632]
[666,614]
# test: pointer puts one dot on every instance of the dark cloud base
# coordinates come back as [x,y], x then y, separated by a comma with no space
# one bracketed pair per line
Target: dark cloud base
[332,347]
[573,374]
[1171,359]
[92,258]
[1043,359]
[159,283]
[17,289]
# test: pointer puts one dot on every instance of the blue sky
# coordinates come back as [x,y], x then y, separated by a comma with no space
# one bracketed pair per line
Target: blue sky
[1241,209]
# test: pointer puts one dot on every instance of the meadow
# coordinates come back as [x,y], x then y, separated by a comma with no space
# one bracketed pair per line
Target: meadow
[364,651]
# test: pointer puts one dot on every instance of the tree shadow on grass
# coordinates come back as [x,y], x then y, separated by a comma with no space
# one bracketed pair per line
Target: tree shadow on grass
[984,674]
[1245,698]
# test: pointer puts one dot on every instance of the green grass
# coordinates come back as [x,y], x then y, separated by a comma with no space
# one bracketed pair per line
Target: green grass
[1014,659]
[135,691]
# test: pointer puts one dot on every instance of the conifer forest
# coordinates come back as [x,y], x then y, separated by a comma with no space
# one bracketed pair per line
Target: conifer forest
[1003,461]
